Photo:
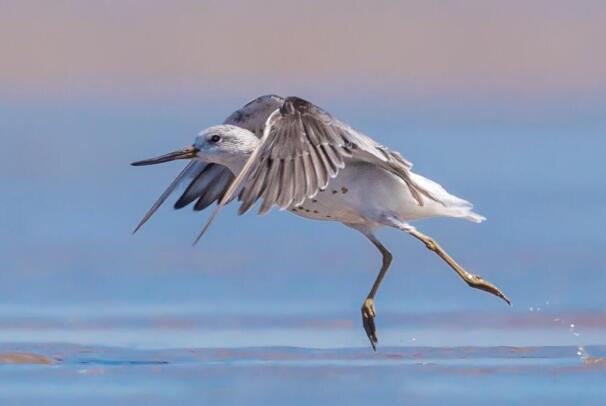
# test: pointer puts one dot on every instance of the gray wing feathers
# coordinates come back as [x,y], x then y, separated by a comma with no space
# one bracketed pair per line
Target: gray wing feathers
[304,149]
[253,115]
[211,183]
[191,169]
[301,150]
[365,148]
[207,186]
[215,190]
[195,187]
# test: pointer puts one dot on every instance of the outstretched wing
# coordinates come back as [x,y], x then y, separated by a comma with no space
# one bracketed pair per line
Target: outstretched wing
[254,114]
[212,180]
[207,186]
[304,147]
[191,169]
[209,181]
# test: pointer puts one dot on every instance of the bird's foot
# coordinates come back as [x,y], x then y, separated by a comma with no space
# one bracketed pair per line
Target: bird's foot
[368,321]
[476,281]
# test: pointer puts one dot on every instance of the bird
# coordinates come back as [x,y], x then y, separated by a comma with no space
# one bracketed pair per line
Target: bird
[290,153]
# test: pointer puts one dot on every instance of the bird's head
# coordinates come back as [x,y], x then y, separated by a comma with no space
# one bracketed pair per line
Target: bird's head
[221,143]
[225,144]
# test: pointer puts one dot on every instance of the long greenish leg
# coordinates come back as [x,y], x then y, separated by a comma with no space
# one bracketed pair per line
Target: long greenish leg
[368,308]
[474,281]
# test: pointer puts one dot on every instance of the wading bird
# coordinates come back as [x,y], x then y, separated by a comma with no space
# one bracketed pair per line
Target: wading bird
[292,154]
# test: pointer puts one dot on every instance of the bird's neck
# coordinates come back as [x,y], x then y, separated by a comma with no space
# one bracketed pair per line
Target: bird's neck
[235,163]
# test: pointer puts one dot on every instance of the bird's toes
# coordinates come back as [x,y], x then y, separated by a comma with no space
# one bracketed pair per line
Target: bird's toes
[479,283]
[368,321]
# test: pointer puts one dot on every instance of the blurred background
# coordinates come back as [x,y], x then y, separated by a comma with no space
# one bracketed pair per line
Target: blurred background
[503,103]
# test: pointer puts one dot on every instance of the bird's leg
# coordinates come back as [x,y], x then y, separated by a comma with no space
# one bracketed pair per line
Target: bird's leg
[474,281]
[368,307]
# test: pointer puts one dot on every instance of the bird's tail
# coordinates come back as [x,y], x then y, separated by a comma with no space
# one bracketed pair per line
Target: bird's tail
[451,205]
[475,217]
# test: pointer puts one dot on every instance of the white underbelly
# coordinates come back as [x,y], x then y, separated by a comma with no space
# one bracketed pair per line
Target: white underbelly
[332,204]
[360,193]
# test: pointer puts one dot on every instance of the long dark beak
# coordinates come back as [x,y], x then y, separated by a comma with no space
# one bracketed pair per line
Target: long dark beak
[185,153]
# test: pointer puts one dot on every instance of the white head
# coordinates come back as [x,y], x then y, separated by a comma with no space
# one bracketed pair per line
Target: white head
[224,144]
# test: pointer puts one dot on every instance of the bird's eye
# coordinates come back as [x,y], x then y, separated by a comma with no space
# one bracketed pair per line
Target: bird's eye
[215,138]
